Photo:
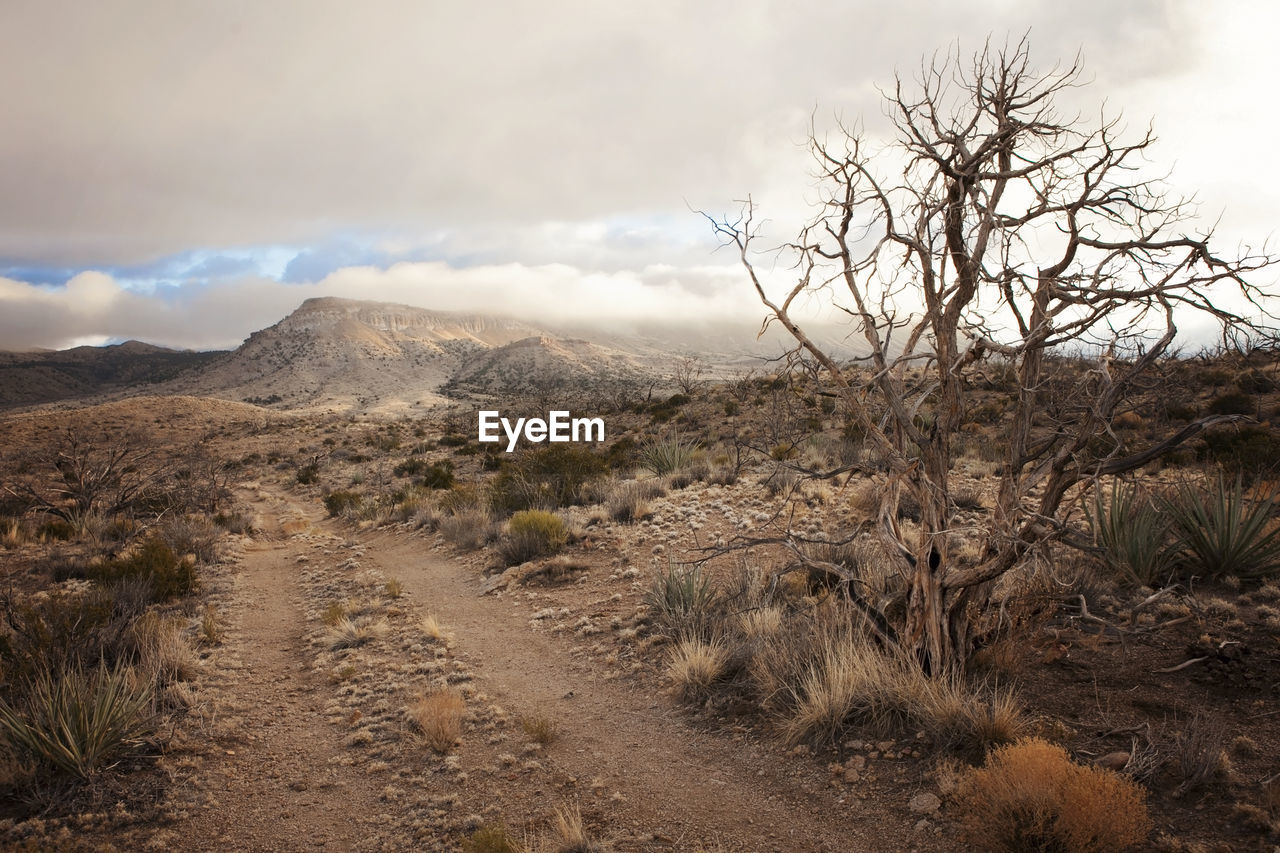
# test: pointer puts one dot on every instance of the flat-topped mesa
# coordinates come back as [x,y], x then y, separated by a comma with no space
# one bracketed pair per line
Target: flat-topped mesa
[332,312]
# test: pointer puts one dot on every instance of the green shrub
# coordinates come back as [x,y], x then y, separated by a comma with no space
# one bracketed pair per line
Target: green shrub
[340,502]
[683,600]
[439,475]
[154,563]
[531,534]
[77,720]
[1233,403]
[1134,535]
[1223,532]
[1248,449]
[545,478]
[663,456]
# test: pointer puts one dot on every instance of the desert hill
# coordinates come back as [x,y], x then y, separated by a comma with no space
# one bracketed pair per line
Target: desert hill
[46,376]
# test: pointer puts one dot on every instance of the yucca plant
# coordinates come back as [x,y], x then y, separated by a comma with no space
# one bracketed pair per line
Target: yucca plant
[1134,535]
[662,456]
[1222,532]
[78,720]
[682,598]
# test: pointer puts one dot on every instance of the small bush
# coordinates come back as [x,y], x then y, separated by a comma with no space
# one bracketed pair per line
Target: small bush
[438,718]
[492,838]
[470,528]
[1233,403]
[545,478]
[626,503]
[57,529]
[540,728]
[1030,796]
[531,534]
[156,564]
[309,474]
[342,502]
[75,721]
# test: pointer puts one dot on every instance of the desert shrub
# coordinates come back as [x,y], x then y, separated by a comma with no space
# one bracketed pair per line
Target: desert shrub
[58,631]
[411,467]
[155,563]
[532,533]
[192,534]
[1255,382]
[667,454]
[1030,796]
[1248,450]
[234,522]
[544,478]
[308,474]
[492,838]
[683,600]
[1232,403]
[626,503]
[74,721]
[342,502]
[470,528]
[1133,534]
[437,716]
[1223,532]
[438,475]
[1199,753]
[57,529]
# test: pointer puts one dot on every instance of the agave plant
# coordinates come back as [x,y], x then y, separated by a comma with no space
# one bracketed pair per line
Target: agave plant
[1223,532]
[1134,535]
[78,720]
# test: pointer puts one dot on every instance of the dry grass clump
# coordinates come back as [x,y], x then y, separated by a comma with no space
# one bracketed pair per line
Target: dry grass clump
[540,728]
[1031,796]
[431,626]
[571,832]
[1199,753]
[627,504]
[438,718]
[532,533]
[469,528]
[163,652]
[820,675]
[393,588]
[695,664]
[493,838]
[348,633]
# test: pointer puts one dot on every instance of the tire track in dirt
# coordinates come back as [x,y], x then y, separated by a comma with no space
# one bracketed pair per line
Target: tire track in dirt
[679,786]
[282,787]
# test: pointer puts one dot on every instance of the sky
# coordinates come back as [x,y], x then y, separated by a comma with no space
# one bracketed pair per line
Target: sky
[186,173]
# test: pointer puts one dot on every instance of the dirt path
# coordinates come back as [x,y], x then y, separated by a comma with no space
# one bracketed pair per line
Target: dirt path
[647,777]
[283,787]
[674,785]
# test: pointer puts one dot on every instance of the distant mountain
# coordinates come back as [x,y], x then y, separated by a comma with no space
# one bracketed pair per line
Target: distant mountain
[352,355]
[48,376]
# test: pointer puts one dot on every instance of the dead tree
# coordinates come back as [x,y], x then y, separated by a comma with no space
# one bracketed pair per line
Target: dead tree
[994,228]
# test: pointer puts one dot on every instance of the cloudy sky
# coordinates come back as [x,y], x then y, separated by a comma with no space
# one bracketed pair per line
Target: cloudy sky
[186,173]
